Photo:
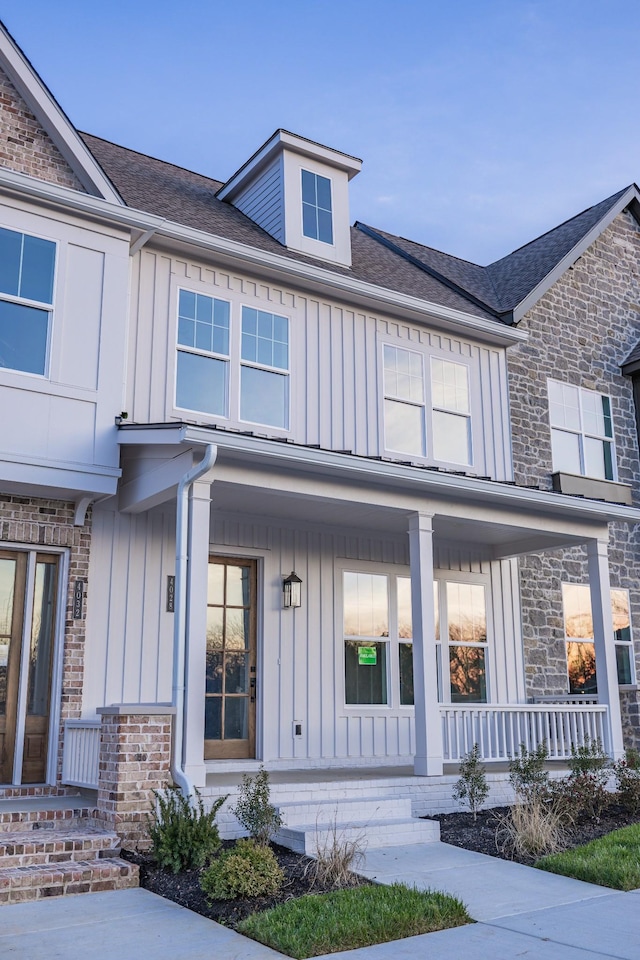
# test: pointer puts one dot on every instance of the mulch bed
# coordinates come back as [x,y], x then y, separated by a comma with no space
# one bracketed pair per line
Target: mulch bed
[184,888]
[460,830]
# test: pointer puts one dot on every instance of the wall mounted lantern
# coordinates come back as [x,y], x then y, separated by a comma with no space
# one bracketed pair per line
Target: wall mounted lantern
[292,591]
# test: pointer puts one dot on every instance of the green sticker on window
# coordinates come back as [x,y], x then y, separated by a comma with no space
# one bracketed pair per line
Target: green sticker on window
[367,656]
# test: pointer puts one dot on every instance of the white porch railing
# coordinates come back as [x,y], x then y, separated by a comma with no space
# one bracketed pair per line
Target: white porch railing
[500,729]
[81,753]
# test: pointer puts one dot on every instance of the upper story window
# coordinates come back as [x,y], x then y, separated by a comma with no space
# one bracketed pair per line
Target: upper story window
[245,376]
[27,268]
[264,368]
[317,216]
[581,431]
[405,420]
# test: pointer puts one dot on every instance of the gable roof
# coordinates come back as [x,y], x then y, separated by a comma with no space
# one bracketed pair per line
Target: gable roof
[53,120]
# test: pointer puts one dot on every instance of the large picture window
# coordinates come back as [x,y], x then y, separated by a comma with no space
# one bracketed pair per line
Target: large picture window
[27,269]
[581,432]
[578,625]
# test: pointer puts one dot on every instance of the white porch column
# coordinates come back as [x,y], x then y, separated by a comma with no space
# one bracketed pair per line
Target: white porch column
[196,629]
[606,670]
[428,757]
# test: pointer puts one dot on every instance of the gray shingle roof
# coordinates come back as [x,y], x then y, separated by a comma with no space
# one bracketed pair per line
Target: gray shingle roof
[378,257]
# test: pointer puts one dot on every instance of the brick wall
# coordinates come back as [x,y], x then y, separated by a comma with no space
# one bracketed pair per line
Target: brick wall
[49,523]
[24,145]
[135,755]
[580,332]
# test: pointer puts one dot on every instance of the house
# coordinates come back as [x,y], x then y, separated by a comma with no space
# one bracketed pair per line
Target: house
[279,490]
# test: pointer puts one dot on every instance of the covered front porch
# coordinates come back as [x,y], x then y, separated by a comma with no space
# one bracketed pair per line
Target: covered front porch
[327,515]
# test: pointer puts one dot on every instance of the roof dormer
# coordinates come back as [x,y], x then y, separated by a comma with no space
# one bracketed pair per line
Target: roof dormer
[298,191]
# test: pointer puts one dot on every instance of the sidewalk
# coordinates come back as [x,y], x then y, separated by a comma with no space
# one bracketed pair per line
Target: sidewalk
[522,912]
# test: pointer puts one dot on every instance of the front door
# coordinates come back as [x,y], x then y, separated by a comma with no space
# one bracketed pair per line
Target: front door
[28,590]
[230,705]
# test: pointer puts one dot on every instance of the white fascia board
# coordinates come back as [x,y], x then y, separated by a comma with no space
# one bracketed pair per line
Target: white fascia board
[75,478]
[465,324]
[340,464]
[54,121]
[567,261]
[282,139]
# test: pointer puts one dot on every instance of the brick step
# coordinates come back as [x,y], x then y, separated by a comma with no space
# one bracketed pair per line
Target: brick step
[20,815]
[25,848]
[63,879]
[386,833]
[344,810]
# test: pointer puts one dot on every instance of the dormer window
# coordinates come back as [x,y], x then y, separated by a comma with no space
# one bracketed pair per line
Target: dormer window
[317,217]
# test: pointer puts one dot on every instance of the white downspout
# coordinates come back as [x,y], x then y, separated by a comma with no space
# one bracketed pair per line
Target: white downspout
[179,698]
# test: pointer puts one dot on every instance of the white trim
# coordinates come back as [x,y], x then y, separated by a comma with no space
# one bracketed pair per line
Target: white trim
[55,123]
[57,666]
[285,268]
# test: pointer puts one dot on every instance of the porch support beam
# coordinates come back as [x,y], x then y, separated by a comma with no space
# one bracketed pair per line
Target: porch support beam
[606,669]
[196,629]
[428,757]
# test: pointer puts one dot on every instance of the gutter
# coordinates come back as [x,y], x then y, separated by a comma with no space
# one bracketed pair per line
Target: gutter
[492,331]
[179,693]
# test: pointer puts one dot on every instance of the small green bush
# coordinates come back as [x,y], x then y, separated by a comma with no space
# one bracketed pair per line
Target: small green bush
[589,758]
[627,774]
[246,870]
[472,787]
[254,810]
[584,792]
[183,835]
[527,773]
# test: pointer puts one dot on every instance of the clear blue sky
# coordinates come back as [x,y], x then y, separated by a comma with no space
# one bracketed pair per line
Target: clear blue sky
[481,123]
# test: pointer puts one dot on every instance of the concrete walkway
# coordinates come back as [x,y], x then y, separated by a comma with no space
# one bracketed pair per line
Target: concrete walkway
[522,913]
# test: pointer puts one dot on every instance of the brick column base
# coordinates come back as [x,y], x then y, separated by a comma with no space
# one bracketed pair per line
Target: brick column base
[135,758]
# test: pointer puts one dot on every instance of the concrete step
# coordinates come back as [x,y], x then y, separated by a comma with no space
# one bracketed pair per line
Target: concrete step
[344,810]
[314,837]
[62,879]
[25,848]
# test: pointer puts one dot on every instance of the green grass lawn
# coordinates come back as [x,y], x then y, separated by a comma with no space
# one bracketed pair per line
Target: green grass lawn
[350,918]
[611,861]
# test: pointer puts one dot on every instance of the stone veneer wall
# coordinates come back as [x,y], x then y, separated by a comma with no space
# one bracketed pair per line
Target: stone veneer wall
[580,331]
[24,146]
[43,524]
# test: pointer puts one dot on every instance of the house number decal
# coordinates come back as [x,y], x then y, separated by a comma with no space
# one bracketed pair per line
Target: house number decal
[78,596]
[171,594]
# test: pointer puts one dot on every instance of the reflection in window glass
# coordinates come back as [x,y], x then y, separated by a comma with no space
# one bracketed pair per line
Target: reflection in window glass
[264,397]
[404,428]
[581,666]
[404,425]
[466,613]
[366,605]
[365,672]
[581,431]
[405,657]
[201,383]
[405,629]
[467,673]
[451,437]
[42,632]
[451,409]
[578,624]
[317,222]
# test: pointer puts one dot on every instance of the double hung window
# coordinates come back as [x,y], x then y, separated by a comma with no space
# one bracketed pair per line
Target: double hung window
[578,625]
[461,622]
[317,216]
[581,431]
[243,376]
[27,268]
[444,432]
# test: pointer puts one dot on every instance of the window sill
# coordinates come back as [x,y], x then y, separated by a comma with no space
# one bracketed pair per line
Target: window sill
[607,490]
[628,687]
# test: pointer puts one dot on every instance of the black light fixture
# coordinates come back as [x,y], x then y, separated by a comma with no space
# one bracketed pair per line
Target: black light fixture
[292,591]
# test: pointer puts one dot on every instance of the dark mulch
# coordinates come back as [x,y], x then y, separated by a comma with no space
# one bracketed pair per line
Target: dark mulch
[184,888]
[460,830]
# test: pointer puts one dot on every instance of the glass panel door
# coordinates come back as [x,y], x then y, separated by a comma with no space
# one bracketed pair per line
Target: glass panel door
[36,733]
[230,690]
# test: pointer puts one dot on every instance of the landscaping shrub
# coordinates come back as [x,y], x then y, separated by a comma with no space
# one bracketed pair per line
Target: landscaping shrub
[336,856]
[527,773]
[472,788]
[584,792]
[532,829]
[627,774]
[183,835]
[254,810]
[246,870]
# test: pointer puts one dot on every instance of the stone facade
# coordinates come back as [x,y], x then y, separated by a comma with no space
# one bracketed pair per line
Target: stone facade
[44,524]
[24,146]
[135,757]
[580,331]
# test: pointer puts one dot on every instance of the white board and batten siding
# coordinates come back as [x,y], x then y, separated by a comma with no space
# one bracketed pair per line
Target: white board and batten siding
[65,419]
[263,200]
[300,652]
[336,381]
